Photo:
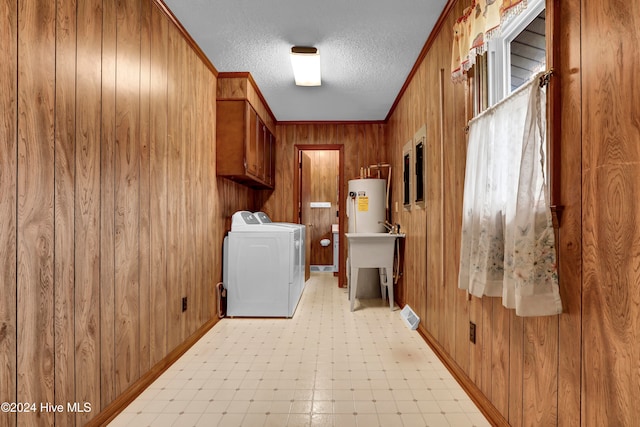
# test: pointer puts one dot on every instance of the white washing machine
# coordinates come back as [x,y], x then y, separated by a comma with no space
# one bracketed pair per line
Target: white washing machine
[261,270]
[264,219]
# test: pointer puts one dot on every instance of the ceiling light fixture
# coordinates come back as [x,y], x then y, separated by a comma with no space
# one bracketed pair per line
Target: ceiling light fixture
[306,65]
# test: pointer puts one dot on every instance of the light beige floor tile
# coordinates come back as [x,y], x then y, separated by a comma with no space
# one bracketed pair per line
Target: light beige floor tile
[364,407]
[276,420]
[436,420]
[253,420]
[231,420]
[345,420]
[367,420]
[326,366]
[301,407]
[299,420]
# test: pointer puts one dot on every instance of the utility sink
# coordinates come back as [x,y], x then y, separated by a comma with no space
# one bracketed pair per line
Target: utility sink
[372,250]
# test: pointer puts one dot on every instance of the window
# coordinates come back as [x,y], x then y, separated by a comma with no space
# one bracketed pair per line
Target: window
[515,56]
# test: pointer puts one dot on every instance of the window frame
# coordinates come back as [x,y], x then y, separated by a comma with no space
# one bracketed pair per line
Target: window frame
[499,51]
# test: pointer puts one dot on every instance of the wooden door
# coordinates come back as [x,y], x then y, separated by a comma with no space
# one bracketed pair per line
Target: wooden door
[261,147]
[251,141]
[305,208]
[324,188]
[268,158]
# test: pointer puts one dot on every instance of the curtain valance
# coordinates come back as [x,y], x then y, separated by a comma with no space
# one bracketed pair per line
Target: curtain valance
[478,24]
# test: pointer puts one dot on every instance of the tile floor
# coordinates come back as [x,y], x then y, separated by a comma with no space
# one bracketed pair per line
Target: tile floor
[325,367]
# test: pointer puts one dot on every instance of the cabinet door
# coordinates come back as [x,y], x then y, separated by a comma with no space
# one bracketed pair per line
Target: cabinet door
[251,141]
[261,149]
[269,146]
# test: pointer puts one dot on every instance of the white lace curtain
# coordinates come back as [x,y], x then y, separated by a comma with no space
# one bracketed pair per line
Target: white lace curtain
[508,244]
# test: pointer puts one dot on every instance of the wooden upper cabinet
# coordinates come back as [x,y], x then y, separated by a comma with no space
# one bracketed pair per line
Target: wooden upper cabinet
[241,145]
[245,142]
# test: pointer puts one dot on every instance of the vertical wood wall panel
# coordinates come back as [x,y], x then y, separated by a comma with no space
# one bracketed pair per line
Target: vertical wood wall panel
[199,201]
[450,190]
[516,370]
[611,217]
[486,346]
[127,194]
[215,231]
[499,367]
[8,189]
[35,271]
[540,393]
[107,207]
[174,287]
[189,169]
[184,195]
[158,180]
[567,61]
[454,130]
[65,171]
[145,184]
[87,225]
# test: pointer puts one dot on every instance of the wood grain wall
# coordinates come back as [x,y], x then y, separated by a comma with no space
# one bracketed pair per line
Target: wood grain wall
[526,370]
[364,144]
[111,211]
[611,214]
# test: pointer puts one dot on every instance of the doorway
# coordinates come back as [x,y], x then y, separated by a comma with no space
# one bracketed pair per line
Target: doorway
[318,194]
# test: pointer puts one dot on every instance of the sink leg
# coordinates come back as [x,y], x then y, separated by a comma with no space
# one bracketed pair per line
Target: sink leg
[353,282]
[389,280]
[383,285]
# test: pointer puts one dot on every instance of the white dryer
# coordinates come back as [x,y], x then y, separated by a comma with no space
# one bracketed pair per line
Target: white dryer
[265,219]
[260,268]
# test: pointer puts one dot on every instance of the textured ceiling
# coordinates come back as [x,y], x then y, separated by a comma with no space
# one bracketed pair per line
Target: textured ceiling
[367,49]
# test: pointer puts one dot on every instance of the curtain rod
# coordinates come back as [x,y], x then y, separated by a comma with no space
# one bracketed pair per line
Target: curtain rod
[544,79]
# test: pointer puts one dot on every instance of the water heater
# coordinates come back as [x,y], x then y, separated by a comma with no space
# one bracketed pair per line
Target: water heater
[366,204]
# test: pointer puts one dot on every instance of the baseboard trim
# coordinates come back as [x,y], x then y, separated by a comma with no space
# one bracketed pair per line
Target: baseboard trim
[476,395]
[114,408]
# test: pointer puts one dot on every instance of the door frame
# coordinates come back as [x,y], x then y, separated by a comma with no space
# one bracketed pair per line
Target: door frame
[342,264]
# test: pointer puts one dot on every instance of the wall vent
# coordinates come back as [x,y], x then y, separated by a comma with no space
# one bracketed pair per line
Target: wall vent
[410,318]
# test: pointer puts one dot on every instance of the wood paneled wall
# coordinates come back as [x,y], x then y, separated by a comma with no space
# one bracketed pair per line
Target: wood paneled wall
[111,211]
[364,144]
[611,213]
[527,370]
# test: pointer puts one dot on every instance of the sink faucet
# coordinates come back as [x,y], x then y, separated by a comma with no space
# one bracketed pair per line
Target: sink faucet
[387,225]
